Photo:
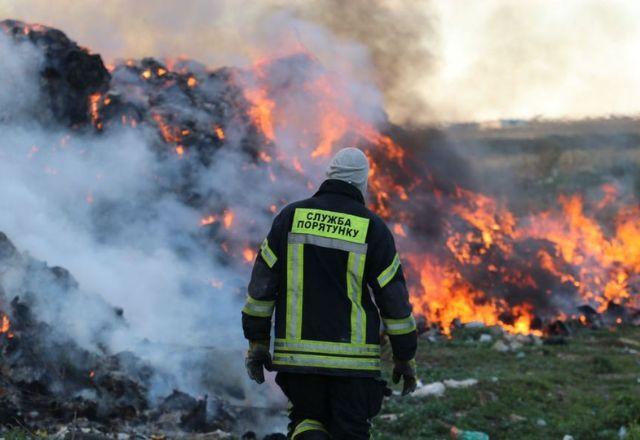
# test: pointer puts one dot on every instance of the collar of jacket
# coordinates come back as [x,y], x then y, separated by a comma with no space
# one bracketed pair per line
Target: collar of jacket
[339,187]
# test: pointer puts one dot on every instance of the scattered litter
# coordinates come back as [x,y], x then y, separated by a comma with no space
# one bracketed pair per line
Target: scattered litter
[485,338]
[622,432]
[567,437]
[452,383]
[389,417]
[438,388]
[501,347]
[515,418]
[516,345]
[541,423]
[629,341]
[458,434]
[432,389]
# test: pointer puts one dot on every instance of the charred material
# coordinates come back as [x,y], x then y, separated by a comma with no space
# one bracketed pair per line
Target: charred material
[70,74]
[47,379]
[469,257]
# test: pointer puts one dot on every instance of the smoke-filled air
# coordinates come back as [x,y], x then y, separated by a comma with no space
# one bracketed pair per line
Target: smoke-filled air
[146,147]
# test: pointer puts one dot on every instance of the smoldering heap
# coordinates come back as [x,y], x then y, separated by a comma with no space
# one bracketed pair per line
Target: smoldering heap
[47,378]
[48,381]
[468,256]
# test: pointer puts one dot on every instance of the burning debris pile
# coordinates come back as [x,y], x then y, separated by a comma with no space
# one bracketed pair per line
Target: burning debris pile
[232,146]
[60,367]
[47,380]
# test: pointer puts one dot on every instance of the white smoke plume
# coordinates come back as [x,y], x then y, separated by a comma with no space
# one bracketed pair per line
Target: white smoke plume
[101,206]
[90,204]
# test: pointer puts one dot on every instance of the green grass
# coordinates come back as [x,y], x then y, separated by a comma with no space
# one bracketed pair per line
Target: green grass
[16,434]
[588,388]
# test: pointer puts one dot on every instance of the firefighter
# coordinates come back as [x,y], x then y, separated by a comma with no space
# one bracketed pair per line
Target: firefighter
[330,271]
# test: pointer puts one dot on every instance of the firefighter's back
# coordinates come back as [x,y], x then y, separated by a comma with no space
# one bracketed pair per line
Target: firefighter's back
[326,321]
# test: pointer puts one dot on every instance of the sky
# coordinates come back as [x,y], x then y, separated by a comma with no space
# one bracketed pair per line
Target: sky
[435,60]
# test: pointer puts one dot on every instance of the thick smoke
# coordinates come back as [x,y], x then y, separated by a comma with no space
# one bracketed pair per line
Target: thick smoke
[223,32]
[399,36]
[18,96]
[92,205]
[437,60]
[125,218]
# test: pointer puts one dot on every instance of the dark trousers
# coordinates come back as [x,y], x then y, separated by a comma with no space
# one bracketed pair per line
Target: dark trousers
[332,407]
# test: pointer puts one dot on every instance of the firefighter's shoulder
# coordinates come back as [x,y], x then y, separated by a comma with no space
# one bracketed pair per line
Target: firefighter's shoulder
[378,228]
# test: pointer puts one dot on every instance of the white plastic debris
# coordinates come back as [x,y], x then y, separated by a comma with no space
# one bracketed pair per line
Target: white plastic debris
[515,345]
[485,337]
[437,389]
[388,417]
[452,383]
[501,347]
[567,437]
[622,432]
[431,389]
[541,423]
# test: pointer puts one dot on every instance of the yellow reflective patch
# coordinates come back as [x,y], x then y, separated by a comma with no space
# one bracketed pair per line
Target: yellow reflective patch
[258,308]
[330,224]
[325,361]
[267,254]
[388,274]
[308,425]
[400,326]
[327,347]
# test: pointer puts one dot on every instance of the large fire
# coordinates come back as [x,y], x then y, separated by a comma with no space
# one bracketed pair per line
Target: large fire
[579,253]
[486,264]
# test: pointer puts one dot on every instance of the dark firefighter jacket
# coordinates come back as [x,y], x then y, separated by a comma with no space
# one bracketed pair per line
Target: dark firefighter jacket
[314,269]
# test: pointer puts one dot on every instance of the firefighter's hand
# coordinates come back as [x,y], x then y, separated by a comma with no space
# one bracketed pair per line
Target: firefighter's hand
[407,371]
[258,357]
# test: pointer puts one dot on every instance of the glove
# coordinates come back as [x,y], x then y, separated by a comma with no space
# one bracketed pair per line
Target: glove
[406,370]
[258,357]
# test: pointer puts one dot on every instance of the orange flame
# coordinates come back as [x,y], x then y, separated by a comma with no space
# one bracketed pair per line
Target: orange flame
[605,263]
[248,254]
[94,109]
[598,263]
[227,219]
[5,326]
[208,220]
[399,230]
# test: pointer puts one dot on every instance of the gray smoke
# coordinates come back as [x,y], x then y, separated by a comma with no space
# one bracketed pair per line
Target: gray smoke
[437,60]
[91,204]
[400,38]
[108,208]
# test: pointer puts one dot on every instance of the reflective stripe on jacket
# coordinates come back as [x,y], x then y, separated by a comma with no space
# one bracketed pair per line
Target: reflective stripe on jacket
[316,269]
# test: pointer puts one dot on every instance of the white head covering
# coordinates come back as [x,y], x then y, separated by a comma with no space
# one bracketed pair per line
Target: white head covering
[352,166]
